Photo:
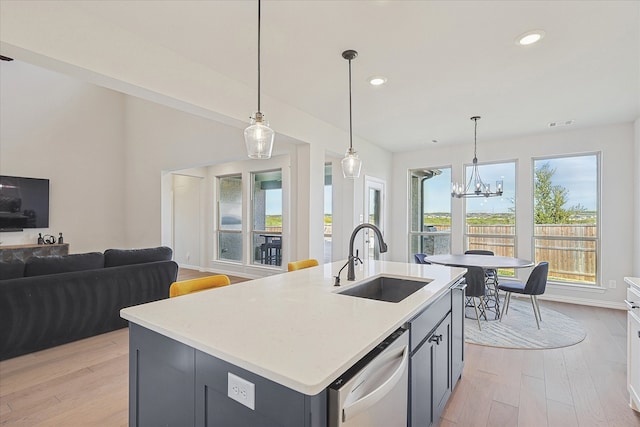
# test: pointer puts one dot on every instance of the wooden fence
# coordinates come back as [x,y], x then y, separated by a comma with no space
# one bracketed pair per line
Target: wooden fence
[571,250]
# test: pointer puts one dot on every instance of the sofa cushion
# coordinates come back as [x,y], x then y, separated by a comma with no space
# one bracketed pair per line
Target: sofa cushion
[117,257]
[11,269]
[38,266]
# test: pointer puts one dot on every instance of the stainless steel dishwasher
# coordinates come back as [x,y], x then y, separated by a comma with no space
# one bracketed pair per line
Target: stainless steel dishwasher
[374,392]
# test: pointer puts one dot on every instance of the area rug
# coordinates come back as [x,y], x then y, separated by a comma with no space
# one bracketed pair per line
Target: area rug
[518,328]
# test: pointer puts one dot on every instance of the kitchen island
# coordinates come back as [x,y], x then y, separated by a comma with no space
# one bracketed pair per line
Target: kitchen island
[290,334]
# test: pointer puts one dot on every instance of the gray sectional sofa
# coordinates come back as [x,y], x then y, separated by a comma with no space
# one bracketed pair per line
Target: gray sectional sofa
[48,301]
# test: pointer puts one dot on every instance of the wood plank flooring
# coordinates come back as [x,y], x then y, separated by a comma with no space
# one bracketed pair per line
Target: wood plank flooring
[85,383]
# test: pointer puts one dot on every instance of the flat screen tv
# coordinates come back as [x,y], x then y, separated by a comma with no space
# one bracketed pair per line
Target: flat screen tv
[24,203]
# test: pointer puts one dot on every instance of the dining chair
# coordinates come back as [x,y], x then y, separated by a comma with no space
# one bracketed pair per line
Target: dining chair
[476,288]
[420,259]
[491,277]
[299,265]
[536,285]
[184,287]
[491,274]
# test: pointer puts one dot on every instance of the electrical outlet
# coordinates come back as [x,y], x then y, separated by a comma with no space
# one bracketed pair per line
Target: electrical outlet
[241,390]
[612,284]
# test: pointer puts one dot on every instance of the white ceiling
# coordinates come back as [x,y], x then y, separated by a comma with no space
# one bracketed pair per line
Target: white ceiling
[445,60]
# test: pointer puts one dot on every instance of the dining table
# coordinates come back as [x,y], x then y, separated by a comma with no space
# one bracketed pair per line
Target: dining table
[487,263]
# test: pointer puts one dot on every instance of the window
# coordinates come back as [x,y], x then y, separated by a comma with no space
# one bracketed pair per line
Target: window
[430,199]
[266,234]
[230,218]
[328,212]
[490,221]
[566,212]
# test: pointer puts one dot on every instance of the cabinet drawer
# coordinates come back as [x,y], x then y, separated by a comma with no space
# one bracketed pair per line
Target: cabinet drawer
[428,319]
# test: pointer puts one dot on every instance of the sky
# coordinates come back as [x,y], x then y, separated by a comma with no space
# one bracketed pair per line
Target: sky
[576,174]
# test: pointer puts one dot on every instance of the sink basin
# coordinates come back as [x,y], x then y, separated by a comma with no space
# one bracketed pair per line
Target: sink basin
[389,289]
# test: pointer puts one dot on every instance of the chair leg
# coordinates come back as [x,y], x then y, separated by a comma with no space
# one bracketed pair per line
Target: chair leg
[535,299]
[475,306]
[535,312]
[505,305]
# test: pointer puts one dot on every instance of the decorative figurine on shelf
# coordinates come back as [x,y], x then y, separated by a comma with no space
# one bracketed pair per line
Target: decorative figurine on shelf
[60,241]
[40,239]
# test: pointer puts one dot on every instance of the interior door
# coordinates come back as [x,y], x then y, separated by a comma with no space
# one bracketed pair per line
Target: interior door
[186,219]
[374,214]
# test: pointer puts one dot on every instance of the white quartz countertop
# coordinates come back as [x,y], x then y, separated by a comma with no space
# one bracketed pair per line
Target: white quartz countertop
[633,281]
[293,328]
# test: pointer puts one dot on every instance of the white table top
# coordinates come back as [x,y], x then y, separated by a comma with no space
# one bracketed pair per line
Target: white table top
[293,328]
[484,261]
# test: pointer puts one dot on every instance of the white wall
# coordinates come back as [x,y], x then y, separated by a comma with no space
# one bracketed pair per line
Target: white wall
[615,142]
[160,139]
[56,127]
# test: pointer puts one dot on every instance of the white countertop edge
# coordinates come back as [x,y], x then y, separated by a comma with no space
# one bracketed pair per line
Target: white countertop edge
[307,386]
[633,281]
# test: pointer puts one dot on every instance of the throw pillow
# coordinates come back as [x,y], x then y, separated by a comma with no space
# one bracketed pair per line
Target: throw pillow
[11,269]
[38,266]
[116,257]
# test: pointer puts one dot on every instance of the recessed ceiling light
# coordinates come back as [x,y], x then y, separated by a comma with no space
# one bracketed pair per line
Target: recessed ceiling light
[530,37]
[434,141]
[377,80]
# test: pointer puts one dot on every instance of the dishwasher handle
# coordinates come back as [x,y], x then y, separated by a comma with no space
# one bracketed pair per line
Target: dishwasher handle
[360,405]
[631,304]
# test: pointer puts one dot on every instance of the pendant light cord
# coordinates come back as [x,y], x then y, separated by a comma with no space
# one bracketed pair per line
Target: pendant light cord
[258,55]
[350,115]
[475,139]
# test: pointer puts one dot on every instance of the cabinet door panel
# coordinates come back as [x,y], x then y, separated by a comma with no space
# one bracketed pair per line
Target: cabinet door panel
[421,386]
[457,333]
[441,373]
[633,364]
[161,386]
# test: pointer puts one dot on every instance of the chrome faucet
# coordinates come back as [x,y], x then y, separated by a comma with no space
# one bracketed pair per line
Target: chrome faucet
[351,262]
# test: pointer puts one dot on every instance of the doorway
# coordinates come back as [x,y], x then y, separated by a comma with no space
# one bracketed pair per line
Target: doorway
[374,214]
[186,219]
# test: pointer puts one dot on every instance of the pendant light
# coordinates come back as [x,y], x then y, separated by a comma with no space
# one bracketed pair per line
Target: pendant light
[351,164]
[259,137]
[475,187]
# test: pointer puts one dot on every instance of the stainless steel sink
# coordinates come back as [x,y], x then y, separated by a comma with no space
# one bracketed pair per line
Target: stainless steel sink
[388,289]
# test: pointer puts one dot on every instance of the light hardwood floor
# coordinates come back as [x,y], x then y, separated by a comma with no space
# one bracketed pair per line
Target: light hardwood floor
[85,383]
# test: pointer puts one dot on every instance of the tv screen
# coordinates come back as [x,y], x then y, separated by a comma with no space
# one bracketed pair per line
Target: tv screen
[24,203]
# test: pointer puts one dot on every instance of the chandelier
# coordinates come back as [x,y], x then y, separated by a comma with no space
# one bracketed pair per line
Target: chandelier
[259,137]
[475,187]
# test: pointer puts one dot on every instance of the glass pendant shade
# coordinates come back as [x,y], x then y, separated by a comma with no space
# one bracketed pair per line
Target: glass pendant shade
[258,138]
[351,164]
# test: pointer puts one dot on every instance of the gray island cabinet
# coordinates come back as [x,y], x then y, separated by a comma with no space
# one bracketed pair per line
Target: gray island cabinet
[263,352]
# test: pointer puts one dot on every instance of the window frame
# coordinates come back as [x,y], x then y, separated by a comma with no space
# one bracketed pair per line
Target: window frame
[251,230]
[424,233]
[598,283]
[218,220]
[507,273]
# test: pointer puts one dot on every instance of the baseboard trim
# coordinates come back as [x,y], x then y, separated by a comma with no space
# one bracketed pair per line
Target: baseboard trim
[579,301]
